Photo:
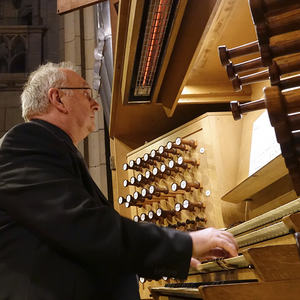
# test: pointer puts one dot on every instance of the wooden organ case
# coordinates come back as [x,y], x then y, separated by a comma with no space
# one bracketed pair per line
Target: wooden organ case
[189,173]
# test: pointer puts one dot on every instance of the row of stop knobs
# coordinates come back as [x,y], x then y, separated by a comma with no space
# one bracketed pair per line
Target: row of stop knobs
[155,193]
[162,153]
[161,213]
[161,172]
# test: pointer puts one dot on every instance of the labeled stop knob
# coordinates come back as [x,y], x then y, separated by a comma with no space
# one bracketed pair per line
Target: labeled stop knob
[155,156]
[171,146]
[191,143]
[140,163]
[186,204]
[131,165]
[138,197]
[147,159]
[183,161]
[166,170]
[134,181]
[140,178]
[157,173]
[121,200]
[165,213]
[144,217]
[145,194]
[187,186]
[129,199]
[136,218]
[155,191]
[149,177]
[152,215]
[174,166]
[162,152]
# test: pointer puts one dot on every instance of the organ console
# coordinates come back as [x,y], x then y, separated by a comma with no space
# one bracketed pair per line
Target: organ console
[198,174]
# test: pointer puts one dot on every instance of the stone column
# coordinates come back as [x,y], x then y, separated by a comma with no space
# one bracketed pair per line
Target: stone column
[36,12]
[34,53]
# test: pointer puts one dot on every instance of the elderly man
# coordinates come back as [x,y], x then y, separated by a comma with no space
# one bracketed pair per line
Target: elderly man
[59,237]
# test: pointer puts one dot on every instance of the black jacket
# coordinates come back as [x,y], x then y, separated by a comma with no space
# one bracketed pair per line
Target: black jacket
[59,237]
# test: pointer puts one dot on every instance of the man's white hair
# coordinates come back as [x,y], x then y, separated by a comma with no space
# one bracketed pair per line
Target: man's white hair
[34,98]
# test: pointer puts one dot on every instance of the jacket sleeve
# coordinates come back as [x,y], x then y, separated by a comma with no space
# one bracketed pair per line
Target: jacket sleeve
[40,190]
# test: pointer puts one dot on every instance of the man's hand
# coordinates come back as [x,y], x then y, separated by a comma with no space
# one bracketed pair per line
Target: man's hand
[212,243]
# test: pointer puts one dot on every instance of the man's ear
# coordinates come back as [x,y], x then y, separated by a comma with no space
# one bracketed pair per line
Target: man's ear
[55,100]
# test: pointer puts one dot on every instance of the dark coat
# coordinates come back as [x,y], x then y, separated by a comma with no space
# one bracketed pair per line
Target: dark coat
[59,237]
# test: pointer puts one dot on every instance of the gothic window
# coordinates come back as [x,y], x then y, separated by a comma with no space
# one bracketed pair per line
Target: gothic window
[15,12]
[12,54]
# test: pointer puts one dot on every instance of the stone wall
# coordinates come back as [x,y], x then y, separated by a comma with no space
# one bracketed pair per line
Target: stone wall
[75,32]
[10,112]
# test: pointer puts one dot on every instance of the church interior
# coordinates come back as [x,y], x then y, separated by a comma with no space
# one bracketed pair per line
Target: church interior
[198,127]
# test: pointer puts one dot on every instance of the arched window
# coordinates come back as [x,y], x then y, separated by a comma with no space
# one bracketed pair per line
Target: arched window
[15,12]
[12,54]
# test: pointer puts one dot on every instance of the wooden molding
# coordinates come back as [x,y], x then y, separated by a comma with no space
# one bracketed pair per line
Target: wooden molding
[65,6]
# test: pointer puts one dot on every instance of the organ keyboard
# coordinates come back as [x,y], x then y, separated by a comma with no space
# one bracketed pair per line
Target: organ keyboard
[269,258]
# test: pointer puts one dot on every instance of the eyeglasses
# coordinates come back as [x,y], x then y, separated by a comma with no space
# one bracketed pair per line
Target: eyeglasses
[88,91]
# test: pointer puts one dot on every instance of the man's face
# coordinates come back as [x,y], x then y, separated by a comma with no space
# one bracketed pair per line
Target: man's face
[81,106]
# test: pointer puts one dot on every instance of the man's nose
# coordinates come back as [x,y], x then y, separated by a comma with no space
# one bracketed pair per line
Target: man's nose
[95,105]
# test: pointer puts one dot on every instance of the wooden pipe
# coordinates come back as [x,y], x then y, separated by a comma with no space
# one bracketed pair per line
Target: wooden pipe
[226,54]
[290,104]
[259,8]
[238,108]
[238,82]
[279,23]
[233,69]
